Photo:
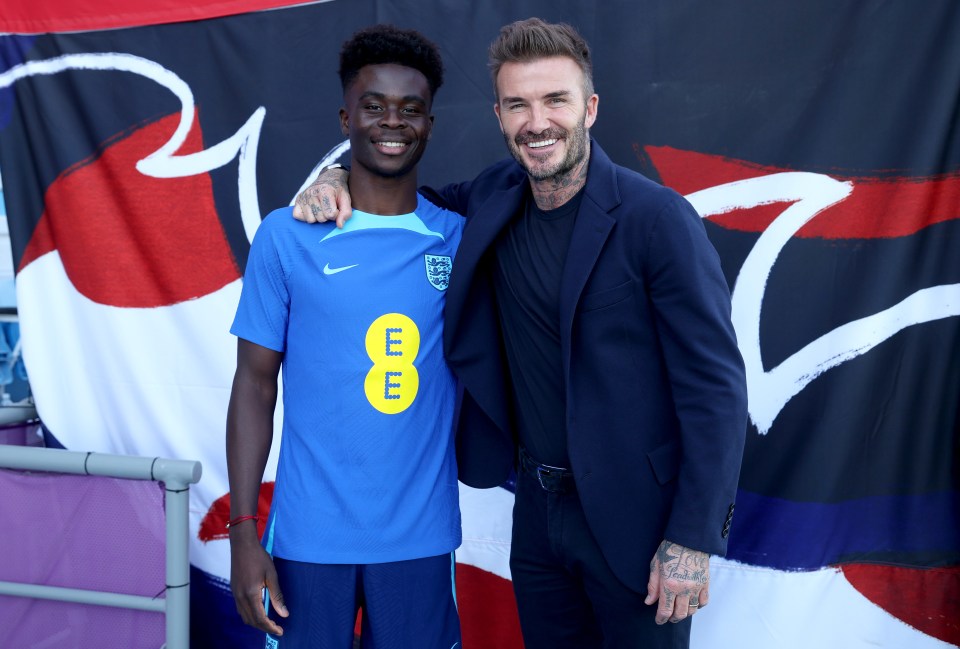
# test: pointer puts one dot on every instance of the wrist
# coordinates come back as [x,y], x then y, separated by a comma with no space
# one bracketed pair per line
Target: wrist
[243,543]
[244,534]
[253,518]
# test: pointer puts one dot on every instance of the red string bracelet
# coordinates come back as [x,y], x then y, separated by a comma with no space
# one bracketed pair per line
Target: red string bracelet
[240,519]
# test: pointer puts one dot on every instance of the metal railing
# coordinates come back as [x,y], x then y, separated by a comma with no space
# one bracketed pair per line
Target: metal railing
[176,476]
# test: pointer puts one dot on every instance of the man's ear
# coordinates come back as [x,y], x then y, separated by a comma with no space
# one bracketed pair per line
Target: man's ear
[430,132]
[496,111]
[591,113]
[344,122]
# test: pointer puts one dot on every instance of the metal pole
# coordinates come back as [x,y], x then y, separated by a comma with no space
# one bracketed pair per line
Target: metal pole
[79,596]
[129,467]
[178,565]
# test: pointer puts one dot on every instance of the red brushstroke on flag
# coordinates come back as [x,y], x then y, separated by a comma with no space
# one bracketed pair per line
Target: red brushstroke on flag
[488,610]
[928,599]
[26,17]
[878,207]
[131,240]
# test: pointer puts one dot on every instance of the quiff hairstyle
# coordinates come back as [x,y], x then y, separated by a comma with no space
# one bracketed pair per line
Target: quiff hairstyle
[382,44]
[532,39]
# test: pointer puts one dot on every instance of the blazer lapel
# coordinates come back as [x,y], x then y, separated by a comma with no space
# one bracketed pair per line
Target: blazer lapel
[471,332]
[590,232]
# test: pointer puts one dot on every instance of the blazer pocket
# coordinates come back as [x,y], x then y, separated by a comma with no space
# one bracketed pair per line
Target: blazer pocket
[606,297]
[665,461]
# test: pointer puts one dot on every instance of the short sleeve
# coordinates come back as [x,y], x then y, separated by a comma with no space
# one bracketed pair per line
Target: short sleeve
[263,311]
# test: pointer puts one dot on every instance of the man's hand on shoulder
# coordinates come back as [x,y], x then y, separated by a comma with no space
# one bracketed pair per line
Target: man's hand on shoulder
[680,580]
[326,199]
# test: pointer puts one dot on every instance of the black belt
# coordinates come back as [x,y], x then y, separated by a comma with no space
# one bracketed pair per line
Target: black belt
[552,478]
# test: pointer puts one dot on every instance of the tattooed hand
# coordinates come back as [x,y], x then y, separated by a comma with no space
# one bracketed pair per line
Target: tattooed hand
[327,199]
[680,579]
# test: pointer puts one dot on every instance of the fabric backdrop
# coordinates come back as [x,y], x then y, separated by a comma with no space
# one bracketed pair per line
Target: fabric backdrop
[140,143]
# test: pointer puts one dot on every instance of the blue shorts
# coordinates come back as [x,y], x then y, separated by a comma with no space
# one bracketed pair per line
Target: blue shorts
[405,604]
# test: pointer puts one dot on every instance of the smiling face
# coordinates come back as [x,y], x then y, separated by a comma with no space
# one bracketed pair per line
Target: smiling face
[544,115]
[387,118]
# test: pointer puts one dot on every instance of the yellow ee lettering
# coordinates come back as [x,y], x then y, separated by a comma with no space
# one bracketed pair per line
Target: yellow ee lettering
[392,343]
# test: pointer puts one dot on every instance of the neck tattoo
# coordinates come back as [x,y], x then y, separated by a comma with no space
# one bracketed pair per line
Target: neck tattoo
[553,192]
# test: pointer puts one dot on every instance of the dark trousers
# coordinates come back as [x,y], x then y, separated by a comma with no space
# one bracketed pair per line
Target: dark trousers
[567,595]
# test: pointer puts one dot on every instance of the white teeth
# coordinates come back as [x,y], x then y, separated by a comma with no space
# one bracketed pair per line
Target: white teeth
[537,145]
[393,145]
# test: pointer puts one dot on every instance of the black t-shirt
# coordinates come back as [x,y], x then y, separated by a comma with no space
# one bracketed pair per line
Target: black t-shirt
[530,259]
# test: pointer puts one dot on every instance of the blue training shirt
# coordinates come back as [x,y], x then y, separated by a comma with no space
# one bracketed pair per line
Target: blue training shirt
[367,472]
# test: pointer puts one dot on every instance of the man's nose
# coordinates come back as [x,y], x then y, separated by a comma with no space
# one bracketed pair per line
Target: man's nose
[539,121]
[392,118]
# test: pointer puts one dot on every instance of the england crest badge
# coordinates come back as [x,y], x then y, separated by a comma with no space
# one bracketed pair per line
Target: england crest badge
[438,270]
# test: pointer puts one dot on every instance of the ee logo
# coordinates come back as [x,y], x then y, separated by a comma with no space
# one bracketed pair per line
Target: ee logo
[392,342]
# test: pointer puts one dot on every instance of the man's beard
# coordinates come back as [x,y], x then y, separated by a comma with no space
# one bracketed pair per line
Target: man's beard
[576,141]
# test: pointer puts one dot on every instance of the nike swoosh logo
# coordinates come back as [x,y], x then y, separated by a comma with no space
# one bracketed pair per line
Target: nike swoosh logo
[333,271]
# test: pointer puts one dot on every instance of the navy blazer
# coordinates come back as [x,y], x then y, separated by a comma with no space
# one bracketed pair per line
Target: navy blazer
[655,387]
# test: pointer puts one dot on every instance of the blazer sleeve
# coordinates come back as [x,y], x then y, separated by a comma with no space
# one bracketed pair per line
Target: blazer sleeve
[705,370]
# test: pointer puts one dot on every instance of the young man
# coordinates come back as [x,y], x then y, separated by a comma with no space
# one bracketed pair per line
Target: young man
[365,514]
[618,372]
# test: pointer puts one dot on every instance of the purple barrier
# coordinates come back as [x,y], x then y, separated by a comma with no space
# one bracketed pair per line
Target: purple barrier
[80,532]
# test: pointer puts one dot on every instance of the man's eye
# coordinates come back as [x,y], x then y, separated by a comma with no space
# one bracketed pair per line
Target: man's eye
[374,107]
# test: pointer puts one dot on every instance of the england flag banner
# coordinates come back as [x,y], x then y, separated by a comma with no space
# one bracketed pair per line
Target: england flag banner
[142,142]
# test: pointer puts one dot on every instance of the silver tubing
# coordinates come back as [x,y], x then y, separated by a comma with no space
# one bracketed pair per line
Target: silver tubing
[178,565]
[78,596]
[130,467]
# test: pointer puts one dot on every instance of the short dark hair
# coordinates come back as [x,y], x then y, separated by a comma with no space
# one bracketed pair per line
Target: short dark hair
[382,44]
[528,40]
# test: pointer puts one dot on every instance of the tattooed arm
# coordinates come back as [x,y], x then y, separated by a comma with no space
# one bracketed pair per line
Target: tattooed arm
[680,579]
[328,198]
